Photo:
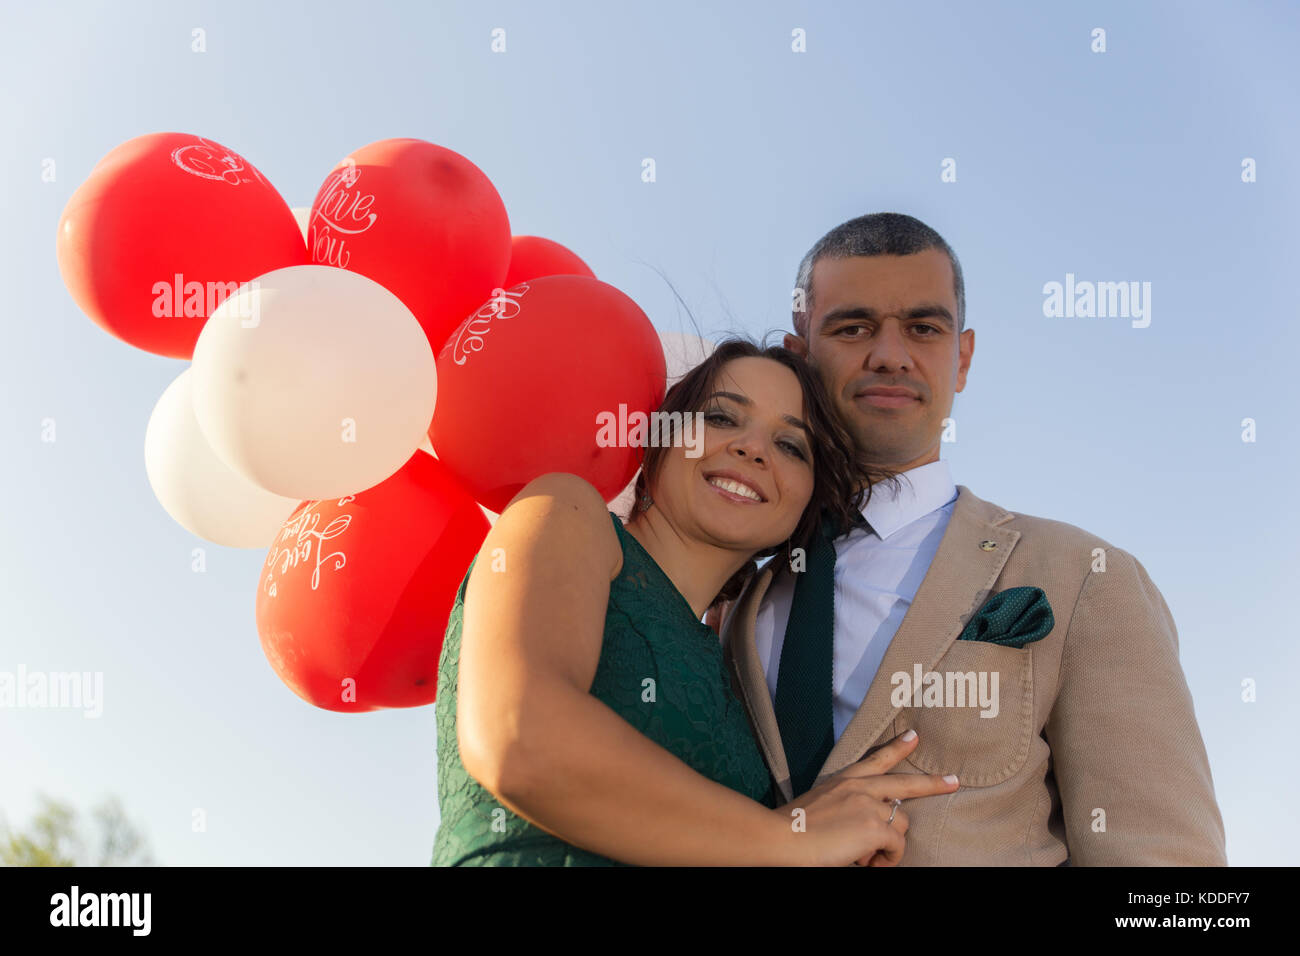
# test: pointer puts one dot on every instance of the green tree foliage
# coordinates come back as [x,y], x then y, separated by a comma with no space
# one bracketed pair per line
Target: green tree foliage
[54,838]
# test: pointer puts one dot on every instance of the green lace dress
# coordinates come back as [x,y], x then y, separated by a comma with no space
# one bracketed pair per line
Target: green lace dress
[650,632]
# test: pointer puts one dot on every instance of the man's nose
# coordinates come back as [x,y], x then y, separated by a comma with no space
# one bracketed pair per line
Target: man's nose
[888,351]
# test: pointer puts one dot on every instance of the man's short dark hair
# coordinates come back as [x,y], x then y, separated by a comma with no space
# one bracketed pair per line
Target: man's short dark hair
[877,234]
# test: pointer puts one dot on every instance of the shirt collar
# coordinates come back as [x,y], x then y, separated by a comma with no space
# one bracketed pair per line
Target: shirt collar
[922,490]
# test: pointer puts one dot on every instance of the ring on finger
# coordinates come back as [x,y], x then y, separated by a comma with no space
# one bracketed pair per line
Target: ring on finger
[894,809]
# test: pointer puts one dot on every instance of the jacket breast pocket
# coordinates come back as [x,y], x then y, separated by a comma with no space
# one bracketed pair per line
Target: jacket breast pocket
[973,712]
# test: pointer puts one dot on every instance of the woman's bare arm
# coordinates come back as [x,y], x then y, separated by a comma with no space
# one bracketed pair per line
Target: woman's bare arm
[531,732]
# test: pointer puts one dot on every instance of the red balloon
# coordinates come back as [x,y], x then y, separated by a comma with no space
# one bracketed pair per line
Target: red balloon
[361,587]
[523,380]
[532,257]
[422,221]
[164,228]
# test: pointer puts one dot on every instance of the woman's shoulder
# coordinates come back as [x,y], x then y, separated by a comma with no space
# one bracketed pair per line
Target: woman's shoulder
[569,514]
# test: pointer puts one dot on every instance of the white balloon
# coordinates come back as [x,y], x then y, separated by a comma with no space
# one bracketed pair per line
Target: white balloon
[196,488]
[303,215]
[314,382]
[682,352]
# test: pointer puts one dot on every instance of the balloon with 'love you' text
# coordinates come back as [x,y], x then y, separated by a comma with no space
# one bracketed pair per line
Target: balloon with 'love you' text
[526,381]
[355,592]
[163,230]
[422,221]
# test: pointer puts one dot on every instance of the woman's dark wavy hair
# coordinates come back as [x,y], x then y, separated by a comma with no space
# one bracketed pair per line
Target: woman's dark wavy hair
[841,483]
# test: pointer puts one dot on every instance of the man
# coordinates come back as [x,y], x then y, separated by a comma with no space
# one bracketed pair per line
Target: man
[1059,704]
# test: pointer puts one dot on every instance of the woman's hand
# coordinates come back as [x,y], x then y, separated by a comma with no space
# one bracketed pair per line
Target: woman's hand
[846,817]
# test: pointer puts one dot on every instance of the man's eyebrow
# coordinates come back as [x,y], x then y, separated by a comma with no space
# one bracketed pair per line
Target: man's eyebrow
[925,310]
[742,400]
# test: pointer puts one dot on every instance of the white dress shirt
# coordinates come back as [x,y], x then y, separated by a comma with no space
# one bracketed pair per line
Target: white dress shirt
[877,575]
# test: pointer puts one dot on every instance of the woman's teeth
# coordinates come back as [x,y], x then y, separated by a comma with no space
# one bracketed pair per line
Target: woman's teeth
[735,487]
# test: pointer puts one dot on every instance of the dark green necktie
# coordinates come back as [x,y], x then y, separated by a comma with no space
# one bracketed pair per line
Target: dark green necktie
[804,695]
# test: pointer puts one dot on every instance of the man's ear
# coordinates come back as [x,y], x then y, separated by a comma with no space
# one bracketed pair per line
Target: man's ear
[795,344]
[965,349]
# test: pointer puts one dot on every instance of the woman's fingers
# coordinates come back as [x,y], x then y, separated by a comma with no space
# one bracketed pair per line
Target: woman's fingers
[891,846]
[906,786]
[886,858]
[884,759]
[870,777]
[875,766]
[893,843]
[891,852]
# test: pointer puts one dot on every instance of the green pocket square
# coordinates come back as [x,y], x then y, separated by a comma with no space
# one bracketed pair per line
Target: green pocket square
[1013,618]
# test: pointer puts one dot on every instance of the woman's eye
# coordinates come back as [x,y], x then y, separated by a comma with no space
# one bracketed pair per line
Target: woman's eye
[715,418]
[794,449]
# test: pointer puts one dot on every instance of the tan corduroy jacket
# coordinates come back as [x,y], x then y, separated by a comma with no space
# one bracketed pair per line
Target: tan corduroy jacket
[1093,758]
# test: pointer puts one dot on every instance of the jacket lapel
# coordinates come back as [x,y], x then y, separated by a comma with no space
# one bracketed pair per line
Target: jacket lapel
[971,555]
[739,649]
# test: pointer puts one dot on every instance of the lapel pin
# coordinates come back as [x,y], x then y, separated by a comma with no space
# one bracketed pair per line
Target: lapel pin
[988,545]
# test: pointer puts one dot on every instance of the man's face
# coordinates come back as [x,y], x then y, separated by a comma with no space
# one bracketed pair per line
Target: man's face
[882,323]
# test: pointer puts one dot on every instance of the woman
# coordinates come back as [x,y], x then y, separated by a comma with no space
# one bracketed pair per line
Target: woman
[584,712]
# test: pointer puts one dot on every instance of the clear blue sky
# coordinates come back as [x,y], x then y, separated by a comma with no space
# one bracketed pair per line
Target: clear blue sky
[1122,166]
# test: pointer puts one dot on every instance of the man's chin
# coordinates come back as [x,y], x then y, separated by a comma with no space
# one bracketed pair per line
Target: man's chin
[876,447]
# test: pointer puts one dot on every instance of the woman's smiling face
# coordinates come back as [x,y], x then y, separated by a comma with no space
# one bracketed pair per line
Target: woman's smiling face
[750,486]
